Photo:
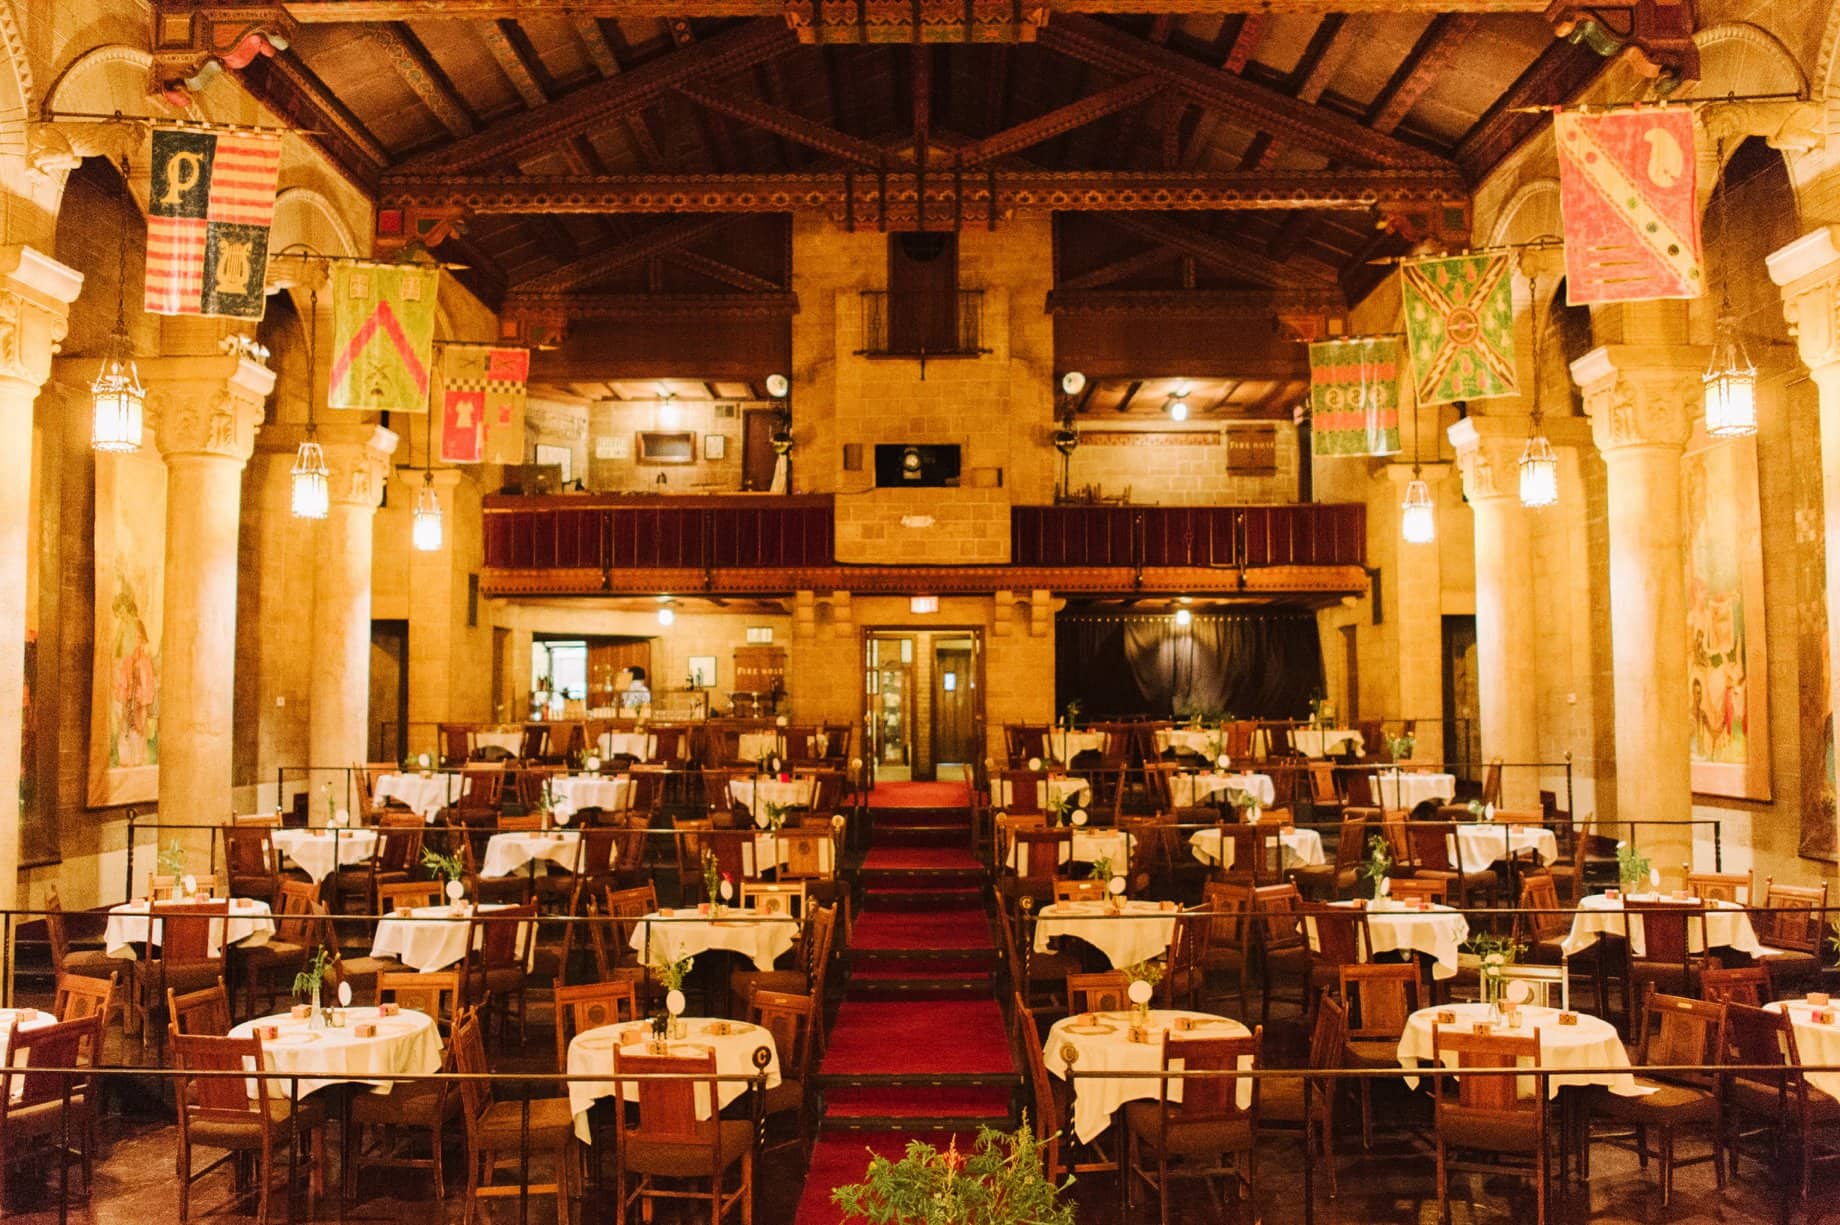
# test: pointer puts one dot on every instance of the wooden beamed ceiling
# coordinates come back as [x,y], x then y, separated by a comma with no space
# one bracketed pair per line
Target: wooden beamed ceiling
[1203,147]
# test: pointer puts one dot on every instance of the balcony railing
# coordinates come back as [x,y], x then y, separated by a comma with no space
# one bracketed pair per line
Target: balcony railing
[923,324]
[689,533]
[1306,534]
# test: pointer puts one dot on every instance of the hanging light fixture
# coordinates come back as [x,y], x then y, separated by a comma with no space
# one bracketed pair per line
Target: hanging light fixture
[1539,466]
[426,529]
[120,400]
[1730,379]
[1417,514]
[311,489]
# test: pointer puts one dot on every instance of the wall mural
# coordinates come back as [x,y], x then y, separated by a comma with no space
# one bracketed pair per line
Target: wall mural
[1727,668]
[124,745]
[1820,835]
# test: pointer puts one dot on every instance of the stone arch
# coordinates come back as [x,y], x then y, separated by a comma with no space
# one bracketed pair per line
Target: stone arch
[1742,58]
[1531,212]
[305,216]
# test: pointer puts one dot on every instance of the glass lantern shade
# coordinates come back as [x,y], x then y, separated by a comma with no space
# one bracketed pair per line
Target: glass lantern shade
[120,403]
[1539,473]
[426,531]
[1417,517]
[1731,386]
[312,492]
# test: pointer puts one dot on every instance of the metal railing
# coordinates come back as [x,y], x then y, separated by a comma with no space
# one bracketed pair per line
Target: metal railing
[923,323]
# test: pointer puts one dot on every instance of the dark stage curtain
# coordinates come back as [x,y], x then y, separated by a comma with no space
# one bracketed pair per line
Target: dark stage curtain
[1250,665]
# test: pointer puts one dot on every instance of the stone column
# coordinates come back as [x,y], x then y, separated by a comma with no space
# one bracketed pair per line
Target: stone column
[35,296]
[1642,401]
[1418,617]
[207,410]
[1488,451]
[358,457]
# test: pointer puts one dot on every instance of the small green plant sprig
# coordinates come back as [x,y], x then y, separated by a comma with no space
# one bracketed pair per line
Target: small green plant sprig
[999,1183]
[1631,865]
[171,861]
[448,866]
[312,974]
[673,973]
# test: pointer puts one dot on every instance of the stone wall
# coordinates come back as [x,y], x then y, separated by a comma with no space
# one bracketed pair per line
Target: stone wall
[1191,471]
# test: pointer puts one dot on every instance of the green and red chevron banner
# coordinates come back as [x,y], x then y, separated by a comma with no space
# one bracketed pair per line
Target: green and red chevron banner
[1354,396]
[382,336]
[1626,192]
[1460,327]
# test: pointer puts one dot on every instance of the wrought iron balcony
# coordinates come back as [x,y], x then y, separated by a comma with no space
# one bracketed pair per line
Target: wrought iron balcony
[923,324]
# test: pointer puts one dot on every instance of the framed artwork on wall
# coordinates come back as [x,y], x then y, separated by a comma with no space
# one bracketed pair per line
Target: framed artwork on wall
[557,457]
[703,671]
[715,446]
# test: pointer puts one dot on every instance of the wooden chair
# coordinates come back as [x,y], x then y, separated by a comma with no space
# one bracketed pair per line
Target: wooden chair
[1541,932]
[669,1141]
[409,895]
[1430,848]
[1038,853]
[774,898]
[433,993]
[590,1006]
[206,1011]
[1063,1156]
[1040,978]
[808,977]
[40,1106]
[1430,889]
[1210,1132]
[1337,879]
[163,888]
[793,1021]
[1245,846]
[1282,1100]
[216,1112]
[429,1106]
[1283,948]
[252,862]
[89,963]
[1792,925]
[1719,886]
[1097,992]
[1674,943]
[494,972]
[79,997]
[1779,1098]
[1488,1114]
[1233,942]
[186,959]
[1084,890]
[1021,791]
[297,929]
[1749,985]
[1676,1030]
[1378,999]
[624,908]
[1024,741]
[1341,940]
[1325,796]
[497,1132]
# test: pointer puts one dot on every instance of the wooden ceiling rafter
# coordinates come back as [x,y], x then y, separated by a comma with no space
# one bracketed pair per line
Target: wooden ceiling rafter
[1246,40]
[1234,259]
[1061,120]
[596,265]
[1563,70]
[1251,305]
[1118,269]
[718,140]
[718,270]
[424,78]
[289,89]
[785,123]
[340,12]
[510,50]
[1431,55]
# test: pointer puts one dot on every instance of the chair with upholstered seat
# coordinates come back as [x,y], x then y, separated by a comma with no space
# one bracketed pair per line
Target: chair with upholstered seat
[1283,949]
[1673,948]
[79,996]
[1185,970]
[1233,942]
[1087,890]
[1211,1132]
[792,1019]
[1341,939]
[217,1112]
[297,930]
[252,863]
[409,1106]
[495,969]
[1676,1031]
[1281,1100]
[498,1133]
[1737,985]
[665,1139]
[186,958]
[1062,1154]
[1792,924]
[1040,977]
[1378,999]
[49,1107]
[1734,887]
[1337,879]
[1542,927]
[1489,1123]
[806,977]
[91,963]
[205,1011]
[1775,1094]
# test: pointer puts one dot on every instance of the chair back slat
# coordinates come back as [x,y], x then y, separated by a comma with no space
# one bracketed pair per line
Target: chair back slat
[1210,1099]
[588,1006]
[1483,1098]
[1667,929]
[1795,916]
[1677,1030]
[667,1108]
[220,1098]
[24,1082]
[788,1017]
[1340,933]
[1038,852]
[1103,992]
[185,930]
[1379,999]
[1539,892]
[1748,985]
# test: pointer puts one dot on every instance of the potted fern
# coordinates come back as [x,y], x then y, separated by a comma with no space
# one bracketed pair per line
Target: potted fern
[1000,1182]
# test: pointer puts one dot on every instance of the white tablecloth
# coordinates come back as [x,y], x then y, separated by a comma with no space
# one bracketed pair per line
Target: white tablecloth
[1064,746]
[406,1044]
[311,850]
[248,923]
[672,935]
[1300,846]
[1728,926]
[25,1020]
[591,1051]
[578,791]
[637,745]
[1096,1101]
[1484,842]
[1188,790]
[1815,1043]
[1208,742]
[508,853]
[1322,742]
[511,742]
[1049,792]
[1123,939]
[752,746]
[1592,1043]
[428,938]
[425,795]
[1436,932]
[1406,789]
[1087,846]
[749,791]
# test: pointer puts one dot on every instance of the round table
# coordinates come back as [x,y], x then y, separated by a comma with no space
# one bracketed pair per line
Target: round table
[794,793]
[571,794]
[734,1043]
[1816,1042]
[1086,846]
[1188,790]
[507,853]
[1477,844]
[1436,931]
[1728,925]
[424,794]
[1064,746]
[1101,1042]
[249,923]
[313,850]
[1300,846]
[1144,931]
[1206,742]
[427,938]
[666,936]
[1322,742]
[1592,1043]
[753,746]
[1408,789]
[637,745]
[1050,793]
[405,1044]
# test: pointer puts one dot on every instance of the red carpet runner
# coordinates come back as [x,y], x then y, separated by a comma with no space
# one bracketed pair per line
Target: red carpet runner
[918,1049]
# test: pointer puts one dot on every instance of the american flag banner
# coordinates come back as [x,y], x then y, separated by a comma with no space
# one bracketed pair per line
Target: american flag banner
[212,202]
[482,404]
[1627,193]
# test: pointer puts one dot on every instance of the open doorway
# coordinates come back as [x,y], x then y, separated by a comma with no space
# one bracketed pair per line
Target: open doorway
[923,699]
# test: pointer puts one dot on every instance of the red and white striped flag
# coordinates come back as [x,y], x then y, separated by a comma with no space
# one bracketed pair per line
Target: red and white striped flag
[213,200]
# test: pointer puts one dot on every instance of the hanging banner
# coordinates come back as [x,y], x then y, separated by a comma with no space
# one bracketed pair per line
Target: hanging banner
[1354,396]
[212,200]
[1626,192]
[1460,327]
[382,336]
[482,404]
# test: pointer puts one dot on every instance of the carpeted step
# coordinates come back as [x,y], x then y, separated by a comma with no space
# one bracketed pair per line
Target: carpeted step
[920,795]
[921,1042]
[841,1160]
[880,964]
[921,859]
[888,819]
[946,1102]
[876,928]
[923,892]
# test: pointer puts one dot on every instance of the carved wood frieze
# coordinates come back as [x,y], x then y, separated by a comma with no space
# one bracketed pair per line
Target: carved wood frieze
[915,21]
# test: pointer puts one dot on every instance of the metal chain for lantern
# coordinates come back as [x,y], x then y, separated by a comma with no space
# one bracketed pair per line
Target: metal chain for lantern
[119,399]
[1730,378]
[1539,466]
[311,480]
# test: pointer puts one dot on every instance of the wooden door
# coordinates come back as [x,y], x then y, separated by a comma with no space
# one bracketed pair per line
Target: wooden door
[923,293]
[388,738]
[954,705]
[757,457]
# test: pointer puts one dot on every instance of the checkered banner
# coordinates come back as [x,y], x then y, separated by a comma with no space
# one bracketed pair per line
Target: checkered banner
[382,336]
[212,201]
[1354,396]
[482,404]
[1460,327]
[1627,184]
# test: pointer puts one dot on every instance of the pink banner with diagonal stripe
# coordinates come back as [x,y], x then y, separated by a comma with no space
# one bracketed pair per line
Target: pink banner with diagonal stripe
[1627,194]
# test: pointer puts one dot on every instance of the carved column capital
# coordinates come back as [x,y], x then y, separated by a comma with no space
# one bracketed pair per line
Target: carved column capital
[208,406]
[357,462]
[1642,396]
[1488,448]
[1808,270]
[35,296]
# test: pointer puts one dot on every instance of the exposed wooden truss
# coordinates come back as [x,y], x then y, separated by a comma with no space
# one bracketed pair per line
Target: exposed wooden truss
[1232,258]
[1060,121]
[342,11]
[782,122]
[597,265]
[1252,305]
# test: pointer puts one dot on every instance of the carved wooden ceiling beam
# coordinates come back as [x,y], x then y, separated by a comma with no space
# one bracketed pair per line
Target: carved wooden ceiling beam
[914,21]
[1016,191]
[789,124]
[595,265]
[728,274]
[770,304]
[1119,269]
[336,12]
[1259,305]
[1432,54]
[1233,258]
[296,97]
[1562,72]
[1061,120]
[1296,123]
